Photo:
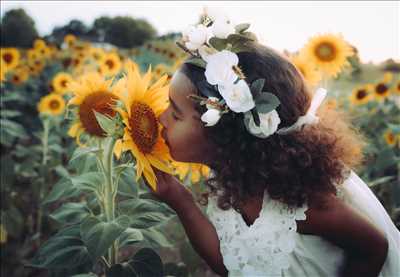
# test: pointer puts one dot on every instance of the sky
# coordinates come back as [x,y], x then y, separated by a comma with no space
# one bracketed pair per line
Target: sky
[372,26]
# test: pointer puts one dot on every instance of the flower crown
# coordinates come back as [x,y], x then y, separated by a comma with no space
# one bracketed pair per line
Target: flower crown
[213,45]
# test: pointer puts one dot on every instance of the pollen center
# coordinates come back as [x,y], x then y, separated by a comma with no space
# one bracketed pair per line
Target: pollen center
[110,64]
[361,93]
[325,52]
[102,103]
[381,88]
[7,58]
[54,104]
[144,127]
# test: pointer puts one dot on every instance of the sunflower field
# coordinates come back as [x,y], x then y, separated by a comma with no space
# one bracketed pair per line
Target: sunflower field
[76,146]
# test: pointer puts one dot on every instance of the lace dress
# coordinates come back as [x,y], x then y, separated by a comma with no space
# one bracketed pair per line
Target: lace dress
[271,246]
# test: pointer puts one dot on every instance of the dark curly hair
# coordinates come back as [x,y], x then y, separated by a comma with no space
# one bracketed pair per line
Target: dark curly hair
[290,167]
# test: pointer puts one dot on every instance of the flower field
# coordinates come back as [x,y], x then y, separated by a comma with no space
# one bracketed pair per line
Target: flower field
[79,131]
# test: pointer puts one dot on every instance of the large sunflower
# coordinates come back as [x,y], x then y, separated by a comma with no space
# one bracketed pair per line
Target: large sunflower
[361,95]
[196,170]
[61,82]
[381,90]
[310,74]
[10,57]
[92,92]
[142,134]
[52,104]
[328,53]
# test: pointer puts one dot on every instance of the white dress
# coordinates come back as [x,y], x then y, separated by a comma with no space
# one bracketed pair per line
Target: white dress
[272,247]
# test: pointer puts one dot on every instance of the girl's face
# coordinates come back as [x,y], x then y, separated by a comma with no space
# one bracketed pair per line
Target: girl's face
[183,130]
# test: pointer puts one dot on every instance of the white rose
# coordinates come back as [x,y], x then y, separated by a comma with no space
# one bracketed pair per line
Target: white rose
[211,117]
[237,96]
[196,36]
[222,27]
[219,68]
[268,123]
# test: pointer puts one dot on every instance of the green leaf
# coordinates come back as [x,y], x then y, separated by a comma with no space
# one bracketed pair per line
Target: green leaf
[61,190]
[63,250]
[9,113]
[266,102]
[127,185]
[130,236]
[12,128]
[71,213]
[106,123]
[99,236]
[197,62]
[90,181]
[381,180]
[80,152]
[218,43]
[147,262]
[240,28]
[155,238]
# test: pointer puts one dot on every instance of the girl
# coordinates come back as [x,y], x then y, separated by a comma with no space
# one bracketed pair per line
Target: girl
[285,205]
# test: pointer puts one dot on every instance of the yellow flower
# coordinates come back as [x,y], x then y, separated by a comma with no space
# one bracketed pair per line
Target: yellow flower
[3,72]
[387,77]
[310,74]
[97,54]
[10,57]
[381,91]
[397,88]
[61,82]
[39,44]
[70,40]
[19,75]
[52,104]
[142,134]
[328,53]
[111,64]
[92,92]
[361,95]
[389,137]
[196,170]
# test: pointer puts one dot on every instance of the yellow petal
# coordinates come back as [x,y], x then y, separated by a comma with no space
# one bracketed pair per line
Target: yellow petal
[159,164]
[73,131]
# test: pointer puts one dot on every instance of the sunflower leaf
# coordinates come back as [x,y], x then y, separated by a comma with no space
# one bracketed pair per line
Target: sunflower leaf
[106,123]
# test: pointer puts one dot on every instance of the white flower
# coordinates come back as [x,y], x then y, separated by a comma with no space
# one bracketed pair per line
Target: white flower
[223,27]
[205,52]
[268,123]
[211,117]
[196,36]
[219,68]
[237,96]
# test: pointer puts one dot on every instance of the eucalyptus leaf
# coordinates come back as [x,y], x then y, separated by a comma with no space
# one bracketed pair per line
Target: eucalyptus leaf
[98,235]
[218,43]
[257,87]
[240,28]
[266,102]
[197,62]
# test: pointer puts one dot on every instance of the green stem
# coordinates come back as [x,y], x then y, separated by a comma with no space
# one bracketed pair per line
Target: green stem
[45,144]
[109,193]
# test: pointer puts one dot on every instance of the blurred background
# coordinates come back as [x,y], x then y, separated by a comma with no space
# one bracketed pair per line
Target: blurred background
[47,44]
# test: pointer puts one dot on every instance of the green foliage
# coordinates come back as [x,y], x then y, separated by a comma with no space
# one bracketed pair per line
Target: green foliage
[17,29]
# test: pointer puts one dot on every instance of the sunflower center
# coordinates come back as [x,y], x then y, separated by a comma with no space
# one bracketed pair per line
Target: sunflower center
[110,64]
[102,103]
[64,83]
[381,88]
[7,57]
[54,104]
[144,127]
[361,94]
[325,51]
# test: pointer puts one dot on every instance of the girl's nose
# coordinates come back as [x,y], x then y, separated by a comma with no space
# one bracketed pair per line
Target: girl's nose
[161,119]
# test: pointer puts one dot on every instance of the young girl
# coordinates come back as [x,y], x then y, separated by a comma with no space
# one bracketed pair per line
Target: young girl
[287,204]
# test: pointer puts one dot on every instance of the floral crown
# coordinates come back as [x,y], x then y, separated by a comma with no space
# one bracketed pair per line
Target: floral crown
[212,45]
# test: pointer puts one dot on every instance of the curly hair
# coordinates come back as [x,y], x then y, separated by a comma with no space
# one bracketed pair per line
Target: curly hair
[290,167]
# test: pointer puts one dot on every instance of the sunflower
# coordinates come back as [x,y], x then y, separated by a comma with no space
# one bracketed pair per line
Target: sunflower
[111,64]
[52,104]
[92,92]
[142,134]
[381,91]
[310,74]
[19,75]
[61,82]
[39,44]
[389,137]
[97,54]
[3,72]
[328,53]
[196,170]
[10,57]
[70,40]
[361,95]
